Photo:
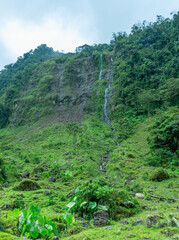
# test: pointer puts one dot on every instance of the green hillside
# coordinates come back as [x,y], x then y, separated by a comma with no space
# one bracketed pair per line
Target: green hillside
[93,132]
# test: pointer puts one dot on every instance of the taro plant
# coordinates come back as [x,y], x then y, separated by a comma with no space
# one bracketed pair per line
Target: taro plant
[67,218]
[31,224]
[79,205]
[100,195]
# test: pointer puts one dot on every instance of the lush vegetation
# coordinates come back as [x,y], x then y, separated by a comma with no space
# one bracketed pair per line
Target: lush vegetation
[59,162]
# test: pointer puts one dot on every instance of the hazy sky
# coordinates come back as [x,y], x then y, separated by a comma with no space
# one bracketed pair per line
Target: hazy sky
[66,24]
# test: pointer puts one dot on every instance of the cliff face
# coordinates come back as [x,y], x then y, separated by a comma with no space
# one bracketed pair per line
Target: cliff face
[61,91]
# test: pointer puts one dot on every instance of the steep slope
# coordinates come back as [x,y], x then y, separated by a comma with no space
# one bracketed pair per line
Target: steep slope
[88,132]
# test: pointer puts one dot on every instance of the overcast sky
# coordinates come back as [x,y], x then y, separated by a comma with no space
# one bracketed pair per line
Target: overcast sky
[66,24]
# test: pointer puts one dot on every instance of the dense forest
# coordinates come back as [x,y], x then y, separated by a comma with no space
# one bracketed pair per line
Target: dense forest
[58,153]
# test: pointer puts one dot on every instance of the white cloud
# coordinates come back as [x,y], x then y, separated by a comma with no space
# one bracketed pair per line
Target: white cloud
[19,37]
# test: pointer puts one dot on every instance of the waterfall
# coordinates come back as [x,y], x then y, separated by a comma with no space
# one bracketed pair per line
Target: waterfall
[107,119]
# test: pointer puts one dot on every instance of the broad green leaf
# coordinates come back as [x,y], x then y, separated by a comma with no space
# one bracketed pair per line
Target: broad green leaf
[69,218]
[92,205]
[34,232]
[25,213]
[83,204]
[76,190]
[24,228]
[15,212]
[45,219]
[21,220]
[101,207]
[43,231]
[49,232]
[48,226]
[41,220]
[35,209]
[70,205]
[54,225]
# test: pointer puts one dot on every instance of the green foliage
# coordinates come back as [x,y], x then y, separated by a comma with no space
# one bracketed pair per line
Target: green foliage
[4,116]
[28,185]
[30,223]
[159,175]
[99,195]
[163,140]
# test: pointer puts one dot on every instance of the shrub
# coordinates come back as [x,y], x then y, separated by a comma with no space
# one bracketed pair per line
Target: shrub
[163,140]
[159,175]
[28,185]
[99,195]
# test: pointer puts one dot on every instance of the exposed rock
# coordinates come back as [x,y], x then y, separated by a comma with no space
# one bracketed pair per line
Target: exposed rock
[35,196]
[129,182]
[148,198]
[6,184]
[162,225]
[130,156]
[176,237]
[52,179]
[139,195]
[101,218]
[151,220]
[138,222]
[47,192]
[7,206]
[70,194]
[128,204]
[109,227]
[66,153]
[38,176]
[132,193]
[55,238]
[124,222]
[143,207]
[26,175]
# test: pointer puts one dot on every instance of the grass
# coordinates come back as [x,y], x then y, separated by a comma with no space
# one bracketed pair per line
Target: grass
[51,150]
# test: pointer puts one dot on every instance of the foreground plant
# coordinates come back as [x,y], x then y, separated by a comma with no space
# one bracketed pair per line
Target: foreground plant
[30,223]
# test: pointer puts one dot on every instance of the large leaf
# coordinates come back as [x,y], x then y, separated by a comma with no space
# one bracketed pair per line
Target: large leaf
[83,204]
[70,205]
[54,225]
[15,212]
[24,229]
[25,213]
[101,207]
[76,190]
[34,232]
[92,205]
[21,220]
[35,209]
[69,218]
[43,231]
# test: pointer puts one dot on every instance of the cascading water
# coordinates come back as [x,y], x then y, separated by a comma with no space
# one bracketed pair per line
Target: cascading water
[107,120]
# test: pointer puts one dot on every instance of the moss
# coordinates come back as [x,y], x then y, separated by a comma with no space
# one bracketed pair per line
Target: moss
[5,236]
[28,185]
[159,175]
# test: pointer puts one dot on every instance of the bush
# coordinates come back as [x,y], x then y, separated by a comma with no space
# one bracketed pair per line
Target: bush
[159,175]
[100,195]
[28,185]
[163,141]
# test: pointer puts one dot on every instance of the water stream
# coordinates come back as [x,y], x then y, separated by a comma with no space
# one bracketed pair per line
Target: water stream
[106,93]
